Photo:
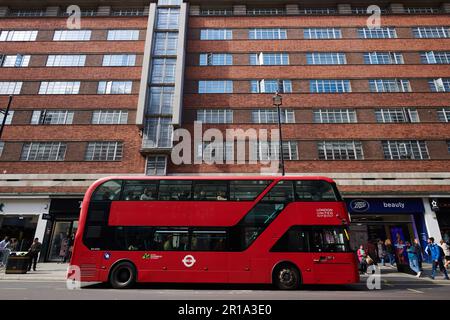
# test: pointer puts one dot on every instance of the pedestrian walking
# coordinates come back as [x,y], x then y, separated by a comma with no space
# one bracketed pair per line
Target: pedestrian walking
[362,255]
[4,251]
[413,258]
[437,256]
[33,253]
[389,251]
[419,252]
[381,251]
[446,250]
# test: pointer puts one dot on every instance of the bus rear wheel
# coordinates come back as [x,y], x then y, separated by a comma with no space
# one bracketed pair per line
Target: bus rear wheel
[286,277]
[123,275]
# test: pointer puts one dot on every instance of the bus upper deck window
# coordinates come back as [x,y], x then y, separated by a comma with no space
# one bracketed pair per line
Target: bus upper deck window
[314,190]
[108,191]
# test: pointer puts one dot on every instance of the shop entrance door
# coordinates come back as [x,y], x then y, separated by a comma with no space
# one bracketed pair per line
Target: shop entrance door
[61,240]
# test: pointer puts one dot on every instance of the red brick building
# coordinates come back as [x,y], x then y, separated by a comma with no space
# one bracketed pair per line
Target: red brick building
[366,106]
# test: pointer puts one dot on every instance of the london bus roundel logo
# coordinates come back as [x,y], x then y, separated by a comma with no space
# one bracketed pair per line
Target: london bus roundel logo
[188,261]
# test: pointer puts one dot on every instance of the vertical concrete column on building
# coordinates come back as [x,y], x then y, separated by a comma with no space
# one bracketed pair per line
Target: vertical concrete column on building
[104,11]
[4,11]
[397,8]
[344,8]
[143,90]
[179,69]
[52,11]
[194,10]
[240,10]
[431,221]
[292,9]
[445,7]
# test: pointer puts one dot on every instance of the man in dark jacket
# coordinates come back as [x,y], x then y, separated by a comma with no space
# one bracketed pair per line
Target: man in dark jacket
[33,253]
[434,251]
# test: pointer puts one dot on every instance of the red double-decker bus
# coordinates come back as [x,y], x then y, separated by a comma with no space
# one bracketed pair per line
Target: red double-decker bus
[282,230]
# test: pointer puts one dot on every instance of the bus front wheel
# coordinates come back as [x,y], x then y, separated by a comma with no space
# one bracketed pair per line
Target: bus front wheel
[123,275]
[286,277]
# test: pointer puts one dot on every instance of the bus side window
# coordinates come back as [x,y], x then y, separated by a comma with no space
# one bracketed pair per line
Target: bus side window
[139,190]
[108,191]
[314,190]
[211,190]
[175,190]
[283,192]
[247,190]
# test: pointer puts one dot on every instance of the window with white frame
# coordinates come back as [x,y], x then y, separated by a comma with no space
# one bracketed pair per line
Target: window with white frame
[216,34]
[161,101]
[165,43]
[64,60]
[318,11]
[326,58]
[104,151]
[56,117]
[405,149]
[270,86]
[340,150]
[115,87]
[431,32]
[322,33]
[10,87]
[216,59]
[435,57]
[16,35]
[335,116]
[265,11]
[216,12]
[397,115]
[163,70]
[110,117]
[330,86]
[17,61]
[270,150]
[2,147]
[43,151]
[383,58]
[215,115]
[59,87]
[218,151]
[215,86]
[156,165]
[271,116]
[123,35]
[9,117]
[269,58]
[377,33]
[389,85]
[72,35]
[128,12]
[158,133]
[168,18]
[414,10]
[439,85]
[26,12]
[443,114]
[169,2]
[267,34]
[119,60]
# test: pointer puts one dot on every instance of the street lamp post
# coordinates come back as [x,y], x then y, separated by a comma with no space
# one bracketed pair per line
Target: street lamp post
[5,112]
[277,102]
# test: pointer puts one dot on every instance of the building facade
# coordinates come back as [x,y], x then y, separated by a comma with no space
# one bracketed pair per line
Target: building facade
[366,106]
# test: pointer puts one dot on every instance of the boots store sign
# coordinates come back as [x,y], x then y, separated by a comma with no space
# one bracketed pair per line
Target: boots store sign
[390,205]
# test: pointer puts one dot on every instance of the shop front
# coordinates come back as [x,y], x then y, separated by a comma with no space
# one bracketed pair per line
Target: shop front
[61,228]
[441,207]
[399,220]
[21,219]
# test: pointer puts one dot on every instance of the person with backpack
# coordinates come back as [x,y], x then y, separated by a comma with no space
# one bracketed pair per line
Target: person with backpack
[413,258]
[437,255]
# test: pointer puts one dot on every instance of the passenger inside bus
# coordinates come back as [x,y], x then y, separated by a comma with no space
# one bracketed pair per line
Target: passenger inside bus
[221,196]
[147,195]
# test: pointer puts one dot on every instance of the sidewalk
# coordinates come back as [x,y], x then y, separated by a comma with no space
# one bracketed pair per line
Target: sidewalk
[391,272]
[45,272]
